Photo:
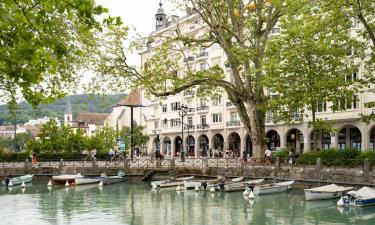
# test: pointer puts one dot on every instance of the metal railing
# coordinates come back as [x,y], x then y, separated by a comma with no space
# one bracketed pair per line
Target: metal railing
[191,110]
[202,108]
[234,123]
[202,126]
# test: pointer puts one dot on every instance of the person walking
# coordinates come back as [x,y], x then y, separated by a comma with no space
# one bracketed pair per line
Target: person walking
[268,155]
[84,155]
[93,154]
[244,155]
[291,157]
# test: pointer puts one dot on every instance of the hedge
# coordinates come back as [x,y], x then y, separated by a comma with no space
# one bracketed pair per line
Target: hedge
[333,157]
[22,156]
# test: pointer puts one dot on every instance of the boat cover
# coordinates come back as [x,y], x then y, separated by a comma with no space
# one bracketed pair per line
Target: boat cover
[363,193]
[331,188]
[285,183]
[237,179]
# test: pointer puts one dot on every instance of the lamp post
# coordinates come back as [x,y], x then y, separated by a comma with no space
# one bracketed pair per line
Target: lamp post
[182,111]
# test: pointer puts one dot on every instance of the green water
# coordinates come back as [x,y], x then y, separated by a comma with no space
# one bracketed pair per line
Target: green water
[135,203]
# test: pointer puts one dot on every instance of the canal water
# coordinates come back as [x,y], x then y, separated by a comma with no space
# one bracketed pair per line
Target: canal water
[135,203]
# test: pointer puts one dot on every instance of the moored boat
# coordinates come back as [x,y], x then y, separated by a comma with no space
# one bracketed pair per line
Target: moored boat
[62,179]
[326,192]
[106,180]
[18,180]
[360,198]
[191,184]
[240,186]
[272,188]
[220,185]
[173,182]
[80,180]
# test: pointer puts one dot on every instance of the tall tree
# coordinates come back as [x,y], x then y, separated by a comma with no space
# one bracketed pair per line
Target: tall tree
[309,65]
[42,46]
[241,28]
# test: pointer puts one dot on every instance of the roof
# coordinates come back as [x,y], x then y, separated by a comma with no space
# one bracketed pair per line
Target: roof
[92,118]
[6,128]
[160,10]
[133,99]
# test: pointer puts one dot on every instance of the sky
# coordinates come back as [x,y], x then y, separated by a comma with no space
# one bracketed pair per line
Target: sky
[138,15]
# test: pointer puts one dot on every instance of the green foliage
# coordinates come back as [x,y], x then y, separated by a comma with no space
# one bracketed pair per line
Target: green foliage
[347,158]
[79,103]
[43,46]
[282,154]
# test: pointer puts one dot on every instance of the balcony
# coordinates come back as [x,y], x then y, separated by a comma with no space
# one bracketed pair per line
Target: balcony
[190,110]
[202,108]
[229,104]
[202,126]
[189,59]
[189,93]
[234,123]
[191,127]
[202,55]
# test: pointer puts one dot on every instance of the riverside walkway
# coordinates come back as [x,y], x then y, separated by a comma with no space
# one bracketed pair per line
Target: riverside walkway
[145,168]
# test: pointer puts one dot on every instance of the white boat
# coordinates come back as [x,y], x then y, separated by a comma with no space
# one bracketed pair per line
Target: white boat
[74,179]
[240,186]
[326,192]
[114,179]
[272,188]
[221,184]
[80,180]
[170,182]
[18,180]
[362,197]
[191,184]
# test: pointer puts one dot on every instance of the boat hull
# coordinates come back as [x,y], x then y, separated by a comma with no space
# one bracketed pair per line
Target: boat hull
[358,202]
[20,180]
[318,195]
[87,180]
[270,190]
[62,179]
[112,180]
[192,184]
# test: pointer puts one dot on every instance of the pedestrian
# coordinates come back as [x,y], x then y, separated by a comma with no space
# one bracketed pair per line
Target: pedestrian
[244,155]
[84,155]
[291,157]
[34,160]
[210,152]
[93,154]
[268,155]
[110,155]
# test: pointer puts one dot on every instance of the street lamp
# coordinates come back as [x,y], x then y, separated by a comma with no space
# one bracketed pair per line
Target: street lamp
[182,111]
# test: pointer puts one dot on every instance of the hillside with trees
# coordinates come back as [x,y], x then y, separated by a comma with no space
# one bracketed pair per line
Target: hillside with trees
[79,103]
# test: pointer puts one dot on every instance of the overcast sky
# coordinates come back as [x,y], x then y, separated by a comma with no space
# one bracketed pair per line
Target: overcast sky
[137,14]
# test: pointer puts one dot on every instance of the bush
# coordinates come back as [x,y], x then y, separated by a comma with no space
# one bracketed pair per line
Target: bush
[334,157]
[282,154]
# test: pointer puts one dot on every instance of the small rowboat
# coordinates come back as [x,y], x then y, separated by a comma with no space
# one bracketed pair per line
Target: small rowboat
[326,192]
[170,182]
[17,180]
[272,188]
[363,197]
[80,180]
[221,184]
[114,179]
[240,186]
[76,179]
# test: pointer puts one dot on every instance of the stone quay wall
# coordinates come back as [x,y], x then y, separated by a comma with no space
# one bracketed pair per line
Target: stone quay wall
[145,168]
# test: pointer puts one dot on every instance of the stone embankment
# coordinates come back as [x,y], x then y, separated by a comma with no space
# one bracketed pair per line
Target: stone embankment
[144,168]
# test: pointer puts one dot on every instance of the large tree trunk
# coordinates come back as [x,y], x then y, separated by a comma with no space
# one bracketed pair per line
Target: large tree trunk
[256,130]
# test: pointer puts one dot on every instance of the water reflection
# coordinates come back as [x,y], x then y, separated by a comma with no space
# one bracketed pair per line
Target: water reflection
[135,203]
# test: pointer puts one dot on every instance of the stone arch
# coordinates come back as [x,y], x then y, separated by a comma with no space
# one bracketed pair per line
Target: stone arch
[203,144]
[295,140]
[234,143]
[323,140]
[190,143]
[167,146]
[177,145]
[349,136]
[273,139]
[217,141]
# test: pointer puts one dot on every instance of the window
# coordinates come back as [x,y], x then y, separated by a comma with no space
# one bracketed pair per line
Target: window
[164,108]
[203,102]
[216,118]
[156,125]
[203,120]
[164,123]
[202,66]
[190,121]
[216,101]
[321,106]
[175,122]
[352,77]
[175,106]
[233,116]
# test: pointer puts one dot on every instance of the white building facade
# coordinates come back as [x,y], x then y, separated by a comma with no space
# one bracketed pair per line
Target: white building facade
[215,124]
